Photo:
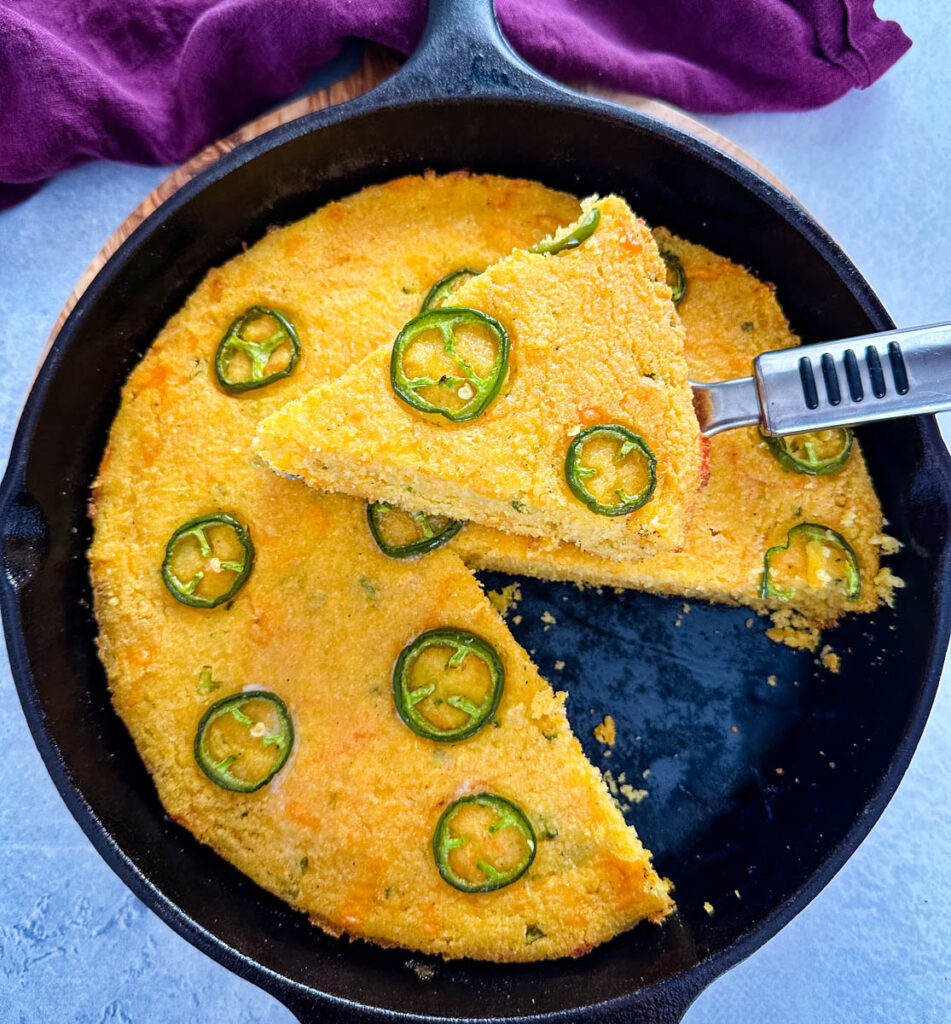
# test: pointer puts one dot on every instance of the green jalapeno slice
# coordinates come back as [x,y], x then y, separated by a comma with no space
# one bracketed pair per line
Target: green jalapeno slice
[818,562]
[219,555]
[629,443]
[676,276]
[244,740]
[431,532]
[488,823]
[256,354]
[573,239]
[443,288]
[462,391]
[816,453]
[423,674]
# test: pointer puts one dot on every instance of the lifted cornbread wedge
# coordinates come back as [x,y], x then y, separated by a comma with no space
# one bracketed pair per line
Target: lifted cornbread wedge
[591,437]
[751,501]
[316,616]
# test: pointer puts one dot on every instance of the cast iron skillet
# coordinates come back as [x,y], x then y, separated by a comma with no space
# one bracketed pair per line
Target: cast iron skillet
[719,817]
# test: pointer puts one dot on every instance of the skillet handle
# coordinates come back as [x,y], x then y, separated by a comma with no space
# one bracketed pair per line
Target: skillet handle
[463,52]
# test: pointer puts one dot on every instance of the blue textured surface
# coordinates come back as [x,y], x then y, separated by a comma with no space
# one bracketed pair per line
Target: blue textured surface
[874,947]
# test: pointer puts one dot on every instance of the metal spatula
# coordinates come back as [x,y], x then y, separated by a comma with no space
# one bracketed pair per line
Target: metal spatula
[840,383]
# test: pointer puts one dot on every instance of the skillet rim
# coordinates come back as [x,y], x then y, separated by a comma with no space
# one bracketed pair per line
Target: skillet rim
[296,994]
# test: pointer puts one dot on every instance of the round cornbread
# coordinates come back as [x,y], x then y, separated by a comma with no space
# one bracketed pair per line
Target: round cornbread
[344,831]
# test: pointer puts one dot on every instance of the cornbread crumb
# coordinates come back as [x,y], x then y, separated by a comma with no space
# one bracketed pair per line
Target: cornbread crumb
[559,666]
[708,907]
[771,681]
[606,732]
[793,629]
[830,659]
[505,599]
[889,545]
[635,796]
[548,618]
[886,583]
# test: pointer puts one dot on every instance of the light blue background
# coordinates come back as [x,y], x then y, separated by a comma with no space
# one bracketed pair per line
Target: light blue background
[875,946]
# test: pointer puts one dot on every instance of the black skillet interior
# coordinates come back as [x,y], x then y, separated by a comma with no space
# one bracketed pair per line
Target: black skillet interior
[757,792]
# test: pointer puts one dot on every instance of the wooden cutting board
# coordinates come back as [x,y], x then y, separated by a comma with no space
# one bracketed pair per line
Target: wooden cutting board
[378,64]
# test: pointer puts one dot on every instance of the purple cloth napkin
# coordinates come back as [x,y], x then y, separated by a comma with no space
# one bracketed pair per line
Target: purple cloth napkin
[151,81]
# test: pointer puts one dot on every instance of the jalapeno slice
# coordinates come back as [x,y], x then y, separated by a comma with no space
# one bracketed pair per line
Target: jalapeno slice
[256,354]
[495,824]
[465,393]
[816,453]
[239,557]
[676,276]
[424,707]
[573,239]
[443,288]
[629,443]
[851,578]
[432,531]
[252,732]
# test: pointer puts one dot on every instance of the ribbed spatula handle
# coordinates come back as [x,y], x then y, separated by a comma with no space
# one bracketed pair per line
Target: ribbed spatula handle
[875,377]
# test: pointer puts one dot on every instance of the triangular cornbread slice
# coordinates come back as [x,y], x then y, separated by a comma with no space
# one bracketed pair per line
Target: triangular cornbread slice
[344,831]
[594,341]
[750,502]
